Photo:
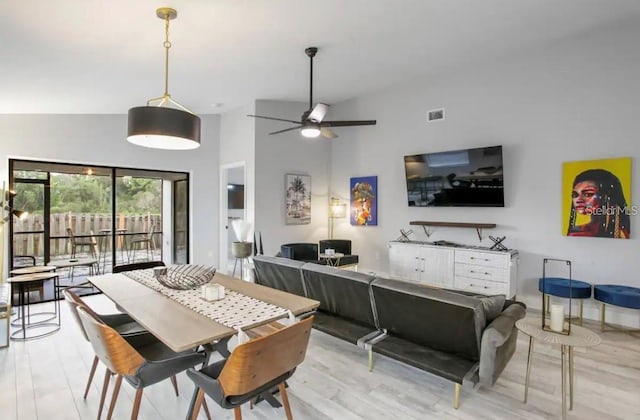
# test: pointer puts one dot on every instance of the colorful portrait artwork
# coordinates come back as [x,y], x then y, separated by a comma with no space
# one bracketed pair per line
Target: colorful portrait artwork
[297,199]
[364,201]
[596,198]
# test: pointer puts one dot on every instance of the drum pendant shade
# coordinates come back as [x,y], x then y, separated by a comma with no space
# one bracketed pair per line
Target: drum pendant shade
[164,123]
[163,128]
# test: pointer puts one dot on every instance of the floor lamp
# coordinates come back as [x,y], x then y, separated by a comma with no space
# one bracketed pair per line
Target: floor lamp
[337,210]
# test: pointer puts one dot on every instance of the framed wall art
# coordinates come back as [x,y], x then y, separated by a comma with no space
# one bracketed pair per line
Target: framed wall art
[596,198]
[297,199]
[364,201]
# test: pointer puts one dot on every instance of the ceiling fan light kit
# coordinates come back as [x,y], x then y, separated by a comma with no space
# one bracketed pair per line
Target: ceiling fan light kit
[312,122]
[310,131]
[157,125]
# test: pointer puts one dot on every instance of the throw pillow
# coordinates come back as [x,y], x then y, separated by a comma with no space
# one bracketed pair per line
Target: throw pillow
[492,305]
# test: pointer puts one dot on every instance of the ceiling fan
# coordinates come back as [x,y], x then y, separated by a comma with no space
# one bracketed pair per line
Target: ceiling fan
[312,123]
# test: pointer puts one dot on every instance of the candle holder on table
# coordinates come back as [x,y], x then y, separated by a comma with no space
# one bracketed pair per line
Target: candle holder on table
[556,321]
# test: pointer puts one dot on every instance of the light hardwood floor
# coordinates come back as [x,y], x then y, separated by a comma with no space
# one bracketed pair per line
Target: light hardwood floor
[45,378]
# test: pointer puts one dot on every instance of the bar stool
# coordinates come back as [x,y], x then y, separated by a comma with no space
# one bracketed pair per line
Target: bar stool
[559,287]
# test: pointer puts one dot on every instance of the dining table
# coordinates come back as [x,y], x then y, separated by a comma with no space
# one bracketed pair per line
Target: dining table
[180,327]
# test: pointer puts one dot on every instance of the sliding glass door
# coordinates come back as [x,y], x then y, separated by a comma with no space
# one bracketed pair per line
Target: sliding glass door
[112,215]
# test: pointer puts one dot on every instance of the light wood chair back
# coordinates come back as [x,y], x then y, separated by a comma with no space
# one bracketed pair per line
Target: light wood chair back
[74,301]
[113,350]
[259,361]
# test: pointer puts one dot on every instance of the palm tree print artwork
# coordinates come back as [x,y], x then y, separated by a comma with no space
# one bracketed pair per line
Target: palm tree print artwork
[297,199]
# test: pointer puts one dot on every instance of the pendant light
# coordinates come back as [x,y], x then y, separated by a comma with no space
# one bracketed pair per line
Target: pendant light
[157,125]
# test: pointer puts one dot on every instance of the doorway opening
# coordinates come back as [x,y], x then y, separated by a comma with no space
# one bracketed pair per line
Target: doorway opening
[233,207]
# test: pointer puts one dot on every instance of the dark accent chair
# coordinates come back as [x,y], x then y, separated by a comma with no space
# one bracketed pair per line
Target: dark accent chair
[306,252]
[342,246]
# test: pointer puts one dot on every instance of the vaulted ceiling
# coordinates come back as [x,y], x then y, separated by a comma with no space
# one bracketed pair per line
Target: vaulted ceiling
[91,56]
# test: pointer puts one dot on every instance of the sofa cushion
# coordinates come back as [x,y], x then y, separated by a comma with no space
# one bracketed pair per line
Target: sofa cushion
[435,318]
[446,365]
[340,292]
[492,305]
[279,273]
[339,327]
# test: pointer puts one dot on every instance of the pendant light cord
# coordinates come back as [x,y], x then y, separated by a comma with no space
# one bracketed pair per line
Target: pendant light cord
[167,45]
[165,99]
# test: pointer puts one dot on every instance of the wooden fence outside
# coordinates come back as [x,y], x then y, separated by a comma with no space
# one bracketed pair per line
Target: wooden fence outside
[80,224]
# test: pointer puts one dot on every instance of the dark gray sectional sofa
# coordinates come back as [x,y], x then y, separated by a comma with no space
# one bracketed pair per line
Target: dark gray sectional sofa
[449,334]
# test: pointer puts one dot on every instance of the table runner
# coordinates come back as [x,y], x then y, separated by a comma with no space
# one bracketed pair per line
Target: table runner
[234,311]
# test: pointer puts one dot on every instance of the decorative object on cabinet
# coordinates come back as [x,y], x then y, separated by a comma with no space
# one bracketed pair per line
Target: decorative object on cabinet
[364,201]
[477,226]
[595,198]
[404,235]
[497,243]
[297,199]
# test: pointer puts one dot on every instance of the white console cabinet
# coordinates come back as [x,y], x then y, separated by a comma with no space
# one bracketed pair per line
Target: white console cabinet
[465,268]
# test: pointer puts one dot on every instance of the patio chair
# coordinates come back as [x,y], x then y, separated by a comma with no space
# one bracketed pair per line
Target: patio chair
[146,242]
[90,242]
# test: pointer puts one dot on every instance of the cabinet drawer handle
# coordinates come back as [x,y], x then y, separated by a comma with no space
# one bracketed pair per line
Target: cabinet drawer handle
[478,272]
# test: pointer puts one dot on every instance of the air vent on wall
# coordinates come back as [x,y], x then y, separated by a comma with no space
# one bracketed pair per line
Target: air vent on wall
[436,114]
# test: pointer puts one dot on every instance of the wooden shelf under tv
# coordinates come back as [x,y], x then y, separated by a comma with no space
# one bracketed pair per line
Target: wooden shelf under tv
[477,226]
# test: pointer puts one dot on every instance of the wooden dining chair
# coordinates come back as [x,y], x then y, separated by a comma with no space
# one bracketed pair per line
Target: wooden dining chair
[254,368]
[141,365]
[122,323]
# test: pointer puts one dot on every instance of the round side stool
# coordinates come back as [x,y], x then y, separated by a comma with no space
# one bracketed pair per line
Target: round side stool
[559,287]
[617,295]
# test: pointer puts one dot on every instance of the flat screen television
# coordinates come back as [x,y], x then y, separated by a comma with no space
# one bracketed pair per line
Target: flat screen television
[457,178]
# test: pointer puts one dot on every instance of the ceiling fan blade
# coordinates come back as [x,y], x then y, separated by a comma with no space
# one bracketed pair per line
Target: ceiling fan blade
[272,118]
[347,123]
[327,134]
[285,130]
[318,113]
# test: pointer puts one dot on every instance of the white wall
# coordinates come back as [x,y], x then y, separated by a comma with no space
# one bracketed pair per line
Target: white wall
[101,139]
[237,144]
[575,100]
[285,153]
